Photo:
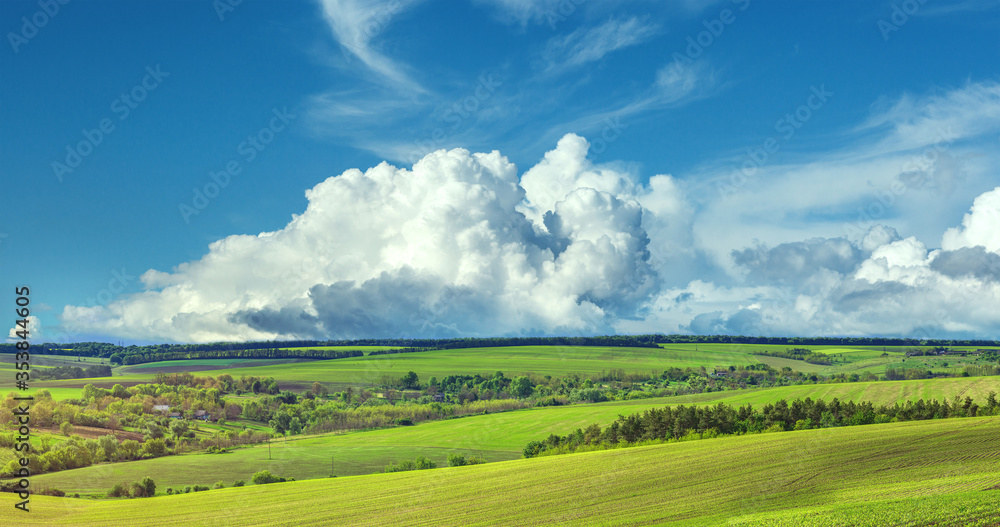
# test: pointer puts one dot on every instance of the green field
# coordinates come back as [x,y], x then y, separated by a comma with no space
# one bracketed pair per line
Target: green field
[879,392]
[858,359]
[541,360]
[346,348]
[497,437]
[557,361]
[913,473]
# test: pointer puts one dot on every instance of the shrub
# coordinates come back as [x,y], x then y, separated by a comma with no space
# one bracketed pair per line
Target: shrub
[155,447]
[138,491]
[148,484]
[239,483]
[264,477]
[170,490]
[118,491]
[219,485]
[423,463]
[533,448]
[199,488]
[142,489]
[66,428]
[475,461]
[403,466]
[51,492]
[187,489]
[592,395]
[456,460]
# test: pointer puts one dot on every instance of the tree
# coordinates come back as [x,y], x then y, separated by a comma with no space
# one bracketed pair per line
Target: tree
[154,447]
[110,445]
[118,491]
[423,463]
[410,380]
[281,422]
[532,449]
[120,392]
[66,428]
[129,449]
[456,460]
[89,392]
[233,410]
[521,387]
[178,427]
[145,488]
[115,359]
[153,430]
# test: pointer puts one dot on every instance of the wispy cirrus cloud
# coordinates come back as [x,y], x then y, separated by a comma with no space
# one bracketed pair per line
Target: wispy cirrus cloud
[356,25]
[591,44]
[918,121]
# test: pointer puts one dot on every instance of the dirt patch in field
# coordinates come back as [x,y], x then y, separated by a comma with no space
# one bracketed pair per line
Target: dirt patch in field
[90,432]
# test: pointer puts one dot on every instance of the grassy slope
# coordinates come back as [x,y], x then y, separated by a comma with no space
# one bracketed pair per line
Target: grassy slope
[497,437]
[871,474]
[858,359]
[541,360]
[880,392]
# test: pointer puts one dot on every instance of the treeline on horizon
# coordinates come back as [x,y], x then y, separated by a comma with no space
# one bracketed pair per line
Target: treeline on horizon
[680,423]
[812,357]
[287,348]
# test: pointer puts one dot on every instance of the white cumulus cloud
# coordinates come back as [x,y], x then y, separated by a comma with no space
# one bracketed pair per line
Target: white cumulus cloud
[438,250]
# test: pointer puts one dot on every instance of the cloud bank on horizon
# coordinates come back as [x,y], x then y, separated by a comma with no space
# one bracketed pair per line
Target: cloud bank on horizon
[462,245]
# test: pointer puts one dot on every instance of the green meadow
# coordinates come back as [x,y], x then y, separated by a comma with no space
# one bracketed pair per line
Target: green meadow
[913,473]
[497,437]
[539,360]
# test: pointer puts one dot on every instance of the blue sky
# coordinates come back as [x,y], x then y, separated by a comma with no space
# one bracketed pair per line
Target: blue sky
[695,166]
